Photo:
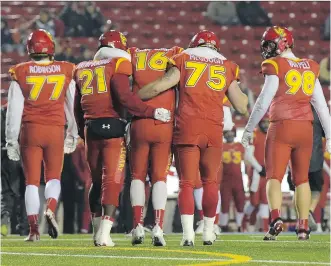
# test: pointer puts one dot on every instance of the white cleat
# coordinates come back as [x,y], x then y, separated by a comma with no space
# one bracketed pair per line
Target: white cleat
[138,235]
[208,238]
[158,237]
[104,240]
[53,228]
[217,230]
[96,232]
[199,229]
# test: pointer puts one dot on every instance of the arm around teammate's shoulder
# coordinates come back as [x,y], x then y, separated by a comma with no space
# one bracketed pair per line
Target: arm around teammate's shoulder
[237,98]
[169,80]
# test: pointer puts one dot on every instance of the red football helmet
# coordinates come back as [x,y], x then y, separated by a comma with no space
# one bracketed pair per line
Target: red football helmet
[205,38]
[113,39]
[40,42]
[276,40]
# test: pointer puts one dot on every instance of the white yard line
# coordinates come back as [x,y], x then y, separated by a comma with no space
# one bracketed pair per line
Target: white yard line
[173,240]
[111,256]
[161,258]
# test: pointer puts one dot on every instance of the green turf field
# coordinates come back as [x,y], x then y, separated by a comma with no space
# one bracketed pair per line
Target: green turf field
[241,249]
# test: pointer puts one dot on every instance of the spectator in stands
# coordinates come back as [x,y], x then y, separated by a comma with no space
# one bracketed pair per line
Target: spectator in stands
[325,71]
[45,21]
[6,37]
[74,19]
[326,29]
[252,14]
[222,13]
[64,52]
[95,19]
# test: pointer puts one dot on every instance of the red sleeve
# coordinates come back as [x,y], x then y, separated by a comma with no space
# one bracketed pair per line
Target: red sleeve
[120,85]
[79,115]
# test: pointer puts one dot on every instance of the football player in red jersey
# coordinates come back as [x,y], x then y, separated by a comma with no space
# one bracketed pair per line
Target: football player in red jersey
[204,76]
[232,183]
[150,143]
[291,84]
[102,89]
[254,156]
[40,100]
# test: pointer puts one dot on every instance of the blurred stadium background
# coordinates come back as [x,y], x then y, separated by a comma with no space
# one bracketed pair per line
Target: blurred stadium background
[240,25]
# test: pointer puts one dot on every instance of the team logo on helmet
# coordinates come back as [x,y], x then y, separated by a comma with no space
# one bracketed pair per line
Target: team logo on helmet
[280,31]
[123,39]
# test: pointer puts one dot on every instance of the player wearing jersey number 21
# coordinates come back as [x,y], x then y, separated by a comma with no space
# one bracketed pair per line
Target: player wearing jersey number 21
[102,89]
[40,100]
[204,77]
[291,84]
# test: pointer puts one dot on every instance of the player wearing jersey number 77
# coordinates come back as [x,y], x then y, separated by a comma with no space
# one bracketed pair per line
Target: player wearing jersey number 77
[291,84]
[205,77]
[40,100]
[102,89]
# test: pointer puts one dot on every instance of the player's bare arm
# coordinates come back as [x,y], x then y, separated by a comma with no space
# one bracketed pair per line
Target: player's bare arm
[237,98]
[170,79]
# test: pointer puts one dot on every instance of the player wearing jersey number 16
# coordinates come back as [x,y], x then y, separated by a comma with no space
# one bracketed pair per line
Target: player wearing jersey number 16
[102,90]
[291,84]
[205,76]
[40,100]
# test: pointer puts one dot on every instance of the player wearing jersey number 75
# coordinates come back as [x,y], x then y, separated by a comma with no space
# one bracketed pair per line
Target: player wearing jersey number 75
[291,84]
[205,76]
[102,90]
[40,100]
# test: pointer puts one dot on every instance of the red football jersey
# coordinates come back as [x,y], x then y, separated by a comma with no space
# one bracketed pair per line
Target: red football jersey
[233,154]
[296,85]
[93,82]
[149,65]
[44,86]
[259,144]
[202,87]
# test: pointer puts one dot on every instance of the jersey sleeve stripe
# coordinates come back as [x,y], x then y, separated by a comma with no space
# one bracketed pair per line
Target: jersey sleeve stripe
[237,72]
[273,63]
[118,63]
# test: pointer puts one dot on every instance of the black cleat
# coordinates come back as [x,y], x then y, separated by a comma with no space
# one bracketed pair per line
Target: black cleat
[276,227]
[207,243]
[187,243]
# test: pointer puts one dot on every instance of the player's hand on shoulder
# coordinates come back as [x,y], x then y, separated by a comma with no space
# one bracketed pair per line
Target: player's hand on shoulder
[13,150]
[162,114]
[328,145]
[70,144]
[247,138]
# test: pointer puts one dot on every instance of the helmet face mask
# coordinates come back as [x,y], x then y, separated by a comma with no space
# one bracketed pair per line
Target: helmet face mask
[275,41]
[229,136]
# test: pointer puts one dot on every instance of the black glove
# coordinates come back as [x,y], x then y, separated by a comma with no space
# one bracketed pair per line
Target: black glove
[263,172]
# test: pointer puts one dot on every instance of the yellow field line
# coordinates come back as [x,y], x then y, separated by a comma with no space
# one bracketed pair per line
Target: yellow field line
[235,258]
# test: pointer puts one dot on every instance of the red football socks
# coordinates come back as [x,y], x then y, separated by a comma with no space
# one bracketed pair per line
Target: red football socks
[138,215]
[200,214]
[303,224]
[275,214]
[159,215]
[51,204]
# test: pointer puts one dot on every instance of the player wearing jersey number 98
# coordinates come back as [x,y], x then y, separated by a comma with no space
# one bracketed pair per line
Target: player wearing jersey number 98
[291,84]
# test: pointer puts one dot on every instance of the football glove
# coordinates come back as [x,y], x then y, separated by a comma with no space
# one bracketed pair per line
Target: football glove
[247,138]
[328,145]
[162,114]
[263,172]
[13,150]
[70,144]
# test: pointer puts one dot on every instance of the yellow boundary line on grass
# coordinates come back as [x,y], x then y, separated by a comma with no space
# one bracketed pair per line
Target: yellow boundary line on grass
[235,258]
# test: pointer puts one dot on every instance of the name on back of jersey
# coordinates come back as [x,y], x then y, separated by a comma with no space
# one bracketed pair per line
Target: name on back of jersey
[87,64]
[302,64]
[45,69]
[214,60]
